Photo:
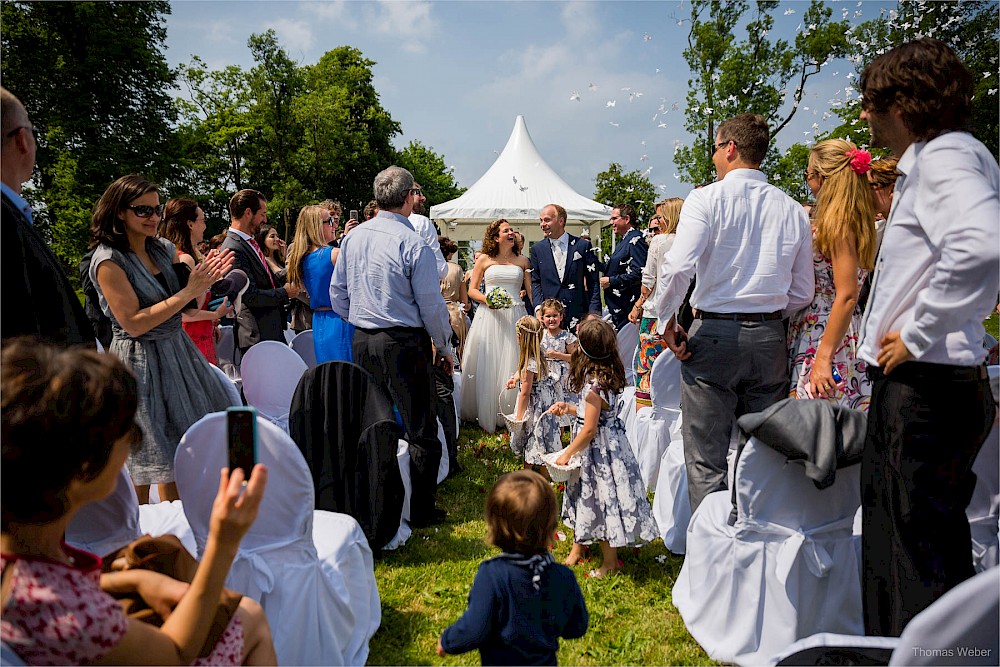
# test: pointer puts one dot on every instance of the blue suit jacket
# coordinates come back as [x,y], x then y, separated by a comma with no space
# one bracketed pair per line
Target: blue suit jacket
[579,283]
[624,269]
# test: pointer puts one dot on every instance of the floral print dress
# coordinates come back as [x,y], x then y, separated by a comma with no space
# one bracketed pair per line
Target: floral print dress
[538,437]
[558,368]
[805,331]
[608,502]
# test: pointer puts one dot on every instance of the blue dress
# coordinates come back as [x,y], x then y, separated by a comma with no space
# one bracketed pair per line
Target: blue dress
[332,336]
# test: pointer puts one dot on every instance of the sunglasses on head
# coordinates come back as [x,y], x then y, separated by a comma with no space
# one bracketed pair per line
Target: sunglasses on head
[145,211]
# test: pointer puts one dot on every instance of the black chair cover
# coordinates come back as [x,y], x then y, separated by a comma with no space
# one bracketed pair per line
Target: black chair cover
[343,423]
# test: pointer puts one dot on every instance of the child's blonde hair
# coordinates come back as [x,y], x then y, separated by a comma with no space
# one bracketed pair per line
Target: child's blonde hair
[844,206]
[553,304]
[596,357]
[529,343]
[521,513]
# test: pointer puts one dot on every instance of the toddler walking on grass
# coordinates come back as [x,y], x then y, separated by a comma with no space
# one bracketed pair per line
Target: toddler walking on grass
[522,601]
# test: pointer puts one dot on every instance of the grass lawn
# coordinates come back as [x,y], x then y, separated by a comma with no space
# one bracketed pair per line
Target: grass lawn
[424,585]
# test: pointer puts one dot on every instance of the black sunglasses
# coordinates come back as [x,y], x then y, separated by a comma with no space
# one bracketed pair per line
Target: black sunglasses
[145,211]
[34,131]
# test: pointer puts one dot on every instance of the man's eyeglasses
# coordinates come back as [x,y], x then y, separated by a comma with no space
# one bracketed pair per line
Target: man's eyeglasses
[144,211]
[724,143]
[416,192]
[34,131]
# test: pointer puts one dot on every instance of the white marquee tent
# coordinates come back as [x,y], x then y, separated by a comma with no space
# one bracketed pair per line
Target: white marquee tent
[516,188]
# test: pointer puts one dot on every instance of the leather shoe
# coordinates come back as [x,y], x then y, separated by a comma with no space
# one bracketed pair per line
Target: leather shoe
[435,516]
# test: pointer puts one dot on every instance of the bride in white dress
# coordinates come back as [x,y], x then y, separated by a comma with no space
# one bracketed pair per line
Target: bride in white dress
[490,356]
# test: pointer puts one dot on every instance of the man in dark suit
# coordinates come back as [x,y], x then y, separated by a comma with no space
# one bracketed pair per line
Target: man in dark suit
[622,280]
[262,316]
[38,299]
[563,266]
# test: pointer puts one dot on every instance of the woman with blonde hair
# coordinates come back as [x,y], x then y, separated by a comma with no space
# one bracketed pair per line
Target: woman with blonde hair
[310,264]
[823,337]
[663,227]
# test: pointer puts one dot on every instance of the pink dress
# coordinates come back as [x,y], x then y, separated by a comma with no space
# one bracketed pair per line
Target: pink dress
[57,614]
[805,332]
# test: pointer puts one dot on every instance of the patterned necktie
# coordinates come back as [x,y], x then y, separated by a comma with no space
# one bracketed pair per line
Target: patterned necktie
[559,256]
[263,261]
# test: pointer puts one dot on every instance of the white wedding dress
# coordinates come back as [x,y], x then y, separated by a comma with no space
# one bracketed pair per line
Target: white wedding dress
[490,356]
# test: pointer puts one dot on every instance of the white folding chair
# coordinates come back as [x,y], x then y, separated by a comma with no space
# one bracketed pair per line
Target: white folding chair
[290,335]
[653,425]
[984,508]
[320,596]
[271,371]
[787,569]
[404,532]
[225,348]
[305,347]
[232,391]
[628,340]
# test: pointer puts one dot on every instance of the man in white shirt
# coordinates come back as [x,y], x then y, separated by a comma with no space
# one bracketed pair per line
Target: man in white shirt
[422,225]
[936,279]
[751,246]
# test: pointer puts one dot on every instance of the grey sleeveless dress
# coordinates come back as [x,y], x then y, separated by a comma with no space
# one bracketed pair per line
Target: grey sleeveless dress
[177,387]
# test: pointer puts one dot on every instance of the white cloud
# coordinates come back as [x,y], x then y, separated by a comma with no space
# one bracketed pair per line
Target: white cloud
[295,35]
[410,22]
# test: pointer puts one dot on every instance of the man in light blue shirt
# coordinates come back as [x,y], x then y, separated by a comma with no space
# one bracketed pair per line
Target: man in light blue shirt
[386,284]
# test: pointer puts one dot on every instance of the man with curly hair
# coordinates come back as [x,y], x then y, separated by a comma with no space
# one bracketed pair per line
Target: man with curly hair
[936,279]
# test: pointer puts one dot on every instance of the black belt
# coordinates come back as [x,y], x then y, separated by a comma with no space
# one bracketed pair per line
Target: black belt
[738,317]
[923,370]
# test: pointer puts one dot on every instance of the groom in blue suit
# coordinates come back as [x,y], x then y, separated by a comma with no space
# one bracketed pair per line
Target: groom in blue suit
[622,281]
[574,285]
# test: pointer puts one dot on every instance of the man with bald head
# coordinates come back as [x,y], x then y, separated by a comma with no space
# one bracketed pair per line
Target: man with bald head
[37,297]
[563,266]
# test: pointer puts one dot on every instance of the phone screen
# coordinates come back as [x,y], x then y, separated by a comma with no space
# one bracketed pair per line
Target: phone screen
[354,214]
[242,438]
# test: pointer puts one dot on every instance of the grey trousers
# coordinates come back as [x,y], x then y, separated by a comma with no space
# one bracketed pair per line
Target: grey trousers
[735,368]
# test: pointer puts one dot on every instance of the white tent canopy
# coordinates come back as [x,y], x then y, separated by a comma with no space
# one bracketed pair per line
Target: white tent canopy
[518,185]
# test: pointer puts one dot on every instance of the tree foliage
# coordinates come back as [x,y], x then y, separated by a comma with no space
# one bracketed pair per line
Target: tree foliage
[615,186]
[755,74]
[93,77]
[428,169]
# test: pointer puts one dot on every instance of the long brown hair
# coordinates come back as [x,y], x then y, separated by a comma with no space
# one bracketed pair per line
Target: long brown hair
[844,207]
[596,357]
[176,215]
[105,225]
[491,239]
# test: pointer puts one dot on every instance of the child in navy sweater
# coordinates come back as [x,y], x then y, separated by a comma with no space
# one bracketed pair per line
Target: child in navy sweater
[522,601]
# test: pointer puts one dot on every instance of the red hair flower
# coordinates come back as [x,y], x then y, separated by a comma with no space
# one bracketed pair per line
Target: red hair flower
[860,160]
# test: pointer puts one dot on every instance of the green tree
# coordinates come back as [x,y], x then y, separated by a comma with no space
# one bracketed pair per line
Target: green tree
[969,27]
[93,76]
[428,169]
[752,75]
[615,186]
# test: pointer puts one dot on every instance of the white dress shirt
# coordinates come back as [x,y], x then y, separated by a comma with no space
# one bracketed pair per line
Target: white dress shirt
[422,225]
[559,247]
[659,245]
[938,271]
[750,245]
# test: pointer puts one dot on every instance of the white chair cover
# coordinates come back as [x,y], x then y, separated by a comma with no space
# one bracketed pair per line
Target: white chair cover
[404,532]
[232,391]
[832,642]
[984,508]
[457,396]
[626,412]
[671,504]
[305,347]
[445,463]
[628,340]
[107,525]
[225,349]
[290,335]
[315,618]
[271,371]
[960,628]
[787,569]
[653,425]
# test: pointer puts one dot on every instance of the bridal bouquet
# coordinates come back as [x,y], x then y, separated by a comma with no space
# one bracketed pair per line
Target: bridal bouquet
[498,297]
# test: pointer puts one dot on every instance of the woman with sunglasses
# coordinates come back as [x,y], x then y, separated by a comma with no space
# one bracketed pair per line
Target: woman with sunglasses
[310,264]
[273,249]
[184,226]
[663,228]
[139,290]
[823,336]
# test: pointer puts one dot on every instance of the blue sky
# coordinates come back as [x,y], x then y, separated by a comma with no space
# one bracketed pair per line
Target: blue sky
[455,74]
